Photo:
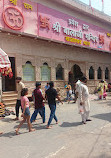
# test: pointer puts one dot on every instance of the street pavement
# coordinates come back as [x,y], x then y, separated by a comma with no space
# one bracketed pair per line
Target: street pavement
[68,139]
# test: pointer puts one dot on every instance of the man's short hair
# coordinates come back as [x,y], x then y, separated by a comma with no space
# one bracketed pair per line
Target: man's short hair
[19,78]
[51,83]
[37,84]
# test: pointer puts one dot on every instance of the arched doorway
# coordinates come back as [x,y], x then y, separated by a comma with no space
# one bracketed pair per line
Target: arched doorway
[7,83]
[75,74]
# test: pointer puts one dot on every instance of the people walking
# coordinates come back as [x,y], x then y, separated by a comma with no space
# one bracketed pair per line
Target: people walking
[39,105]
[26,112]
[51,95]
[20,86]
[33,98]
[83,100]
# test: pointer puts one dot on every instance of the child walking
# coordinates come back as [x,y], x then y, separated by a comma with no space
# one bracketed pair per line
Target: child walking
[26,112]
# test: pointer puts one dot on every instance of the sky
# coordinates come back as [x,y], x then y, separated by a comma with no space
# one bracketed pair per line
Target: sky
[98,5]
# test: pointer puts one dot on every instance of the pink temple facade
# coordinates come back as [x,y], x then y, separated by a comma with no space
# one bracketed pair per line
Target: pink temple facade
[37,20]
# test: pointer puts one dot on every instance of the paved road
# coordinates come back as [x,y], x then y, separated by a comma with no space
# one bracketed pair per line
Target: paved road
[69,139]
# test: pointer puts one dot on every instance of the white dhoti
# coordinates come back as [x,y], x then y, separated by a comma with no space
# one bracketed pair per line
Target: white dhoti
[84,109]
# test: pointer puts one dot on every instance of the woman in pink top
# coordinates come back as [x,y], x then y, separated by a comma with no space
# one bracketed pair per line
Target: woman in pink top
[26,112]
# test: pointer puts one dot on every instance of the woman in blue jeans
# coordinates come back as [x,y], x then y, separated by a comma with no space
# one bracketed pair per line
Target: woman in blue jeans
[51,95]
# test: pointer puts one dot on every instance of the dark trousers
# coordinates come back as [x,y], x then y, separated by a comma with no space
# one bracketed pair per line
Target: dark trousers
[52,114]
[41,111]
[18,105]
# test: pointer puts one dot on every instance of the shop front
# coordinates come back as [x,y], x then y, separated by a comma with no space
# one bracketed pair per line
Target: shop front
[9,84]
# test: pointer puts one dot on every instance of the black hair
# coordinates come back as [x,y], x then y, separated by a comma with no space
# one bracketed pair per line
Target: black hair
[19,78]
[37,84]
[83,78]
[102,81]
[51,83]
[24,91]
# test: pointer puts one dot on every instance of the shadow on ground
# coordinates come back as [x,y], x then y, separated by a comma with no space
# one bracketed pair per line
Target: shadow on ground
[11,134]
[9,120]
[99,156]
[104,116]
[102,156]
[68,124]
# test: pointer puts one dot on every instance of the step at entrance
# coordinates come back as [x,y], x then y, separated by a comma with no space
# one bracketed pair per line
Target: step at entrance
[9,98]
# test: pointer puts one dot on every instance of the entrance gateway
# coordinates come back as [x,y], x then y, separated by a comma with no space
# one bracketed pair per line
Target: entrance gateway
[7,83]
[75,74]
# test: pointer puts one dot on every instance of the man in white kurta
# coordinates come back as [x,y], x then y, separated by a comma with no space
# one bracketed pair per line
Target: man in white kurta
[77,84]
[83,100]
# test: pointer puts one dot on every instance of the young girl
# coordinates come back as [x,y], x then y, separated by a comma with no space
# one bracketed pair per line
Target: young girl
[26,112]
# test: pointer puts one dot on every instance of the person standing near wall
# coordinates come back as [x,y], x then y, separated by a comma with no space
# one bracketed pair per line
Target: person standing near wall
[105,89]
[100,89]
[51,95]
[20,86]
[69,92]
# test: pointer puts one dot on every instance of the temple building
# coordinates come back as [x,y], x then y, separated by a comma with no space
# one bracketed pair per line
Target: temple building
[56,40]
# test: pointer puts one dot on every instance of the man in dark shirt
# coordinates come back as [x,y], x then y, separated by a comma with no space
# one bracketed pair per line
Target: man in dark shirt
[39,105]
[51,95]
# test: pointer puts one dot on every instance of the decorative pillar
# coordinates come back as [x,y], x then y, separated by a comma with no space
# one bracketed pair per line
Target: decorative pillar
[87,71]
[103,75]
[96,71]
[103,72]
[66,75]
[83,69]
[95,74]
[53,74]
[37,72]
[19,65]
[53,70]
[66,70]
